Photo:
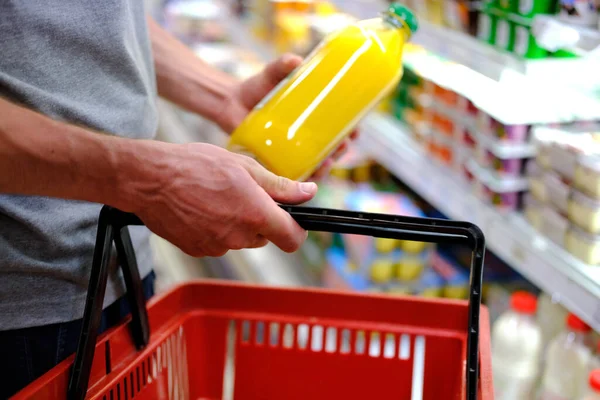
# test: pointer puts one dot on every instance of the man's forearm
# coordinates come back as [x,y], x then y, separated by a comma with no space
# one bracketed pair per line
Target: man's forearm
[40,156]
[185,79]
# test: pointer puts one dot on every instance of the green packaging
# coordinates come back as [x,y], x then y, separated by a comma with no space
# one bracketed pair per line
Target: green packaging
[564,54]
[525,44]
[529,8]
[505,34]
[508,5]
[486,30]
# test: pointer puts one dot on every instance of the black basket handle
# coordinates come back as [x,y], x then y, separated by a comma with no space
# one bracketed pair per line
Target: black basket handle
[112,226]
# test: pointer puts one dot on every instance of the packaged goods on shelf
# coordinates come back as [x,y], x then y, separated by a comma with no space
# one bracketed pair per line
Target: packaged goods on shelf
[555,225]
[533,211]
[364,251]
[537,185]
[583,245]
[456,277]
[505,193]
[563,183]
[457,134]
[587,175]
[579,12]
[195,21]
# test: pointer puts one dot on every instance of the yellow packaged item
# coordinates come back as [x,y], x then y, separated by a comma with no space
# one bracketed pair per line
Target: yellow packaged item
[382,271]
[383,245]
[412,247]
[409,268]
[307,116]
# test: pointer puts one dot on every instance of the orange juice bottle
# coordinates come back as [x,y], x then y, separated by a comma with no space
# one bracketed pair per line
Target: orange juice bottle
[307,116]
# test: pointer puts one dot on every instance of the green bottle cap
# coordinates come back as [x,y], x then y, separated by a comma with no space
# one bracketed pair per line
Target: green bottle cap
[405,14]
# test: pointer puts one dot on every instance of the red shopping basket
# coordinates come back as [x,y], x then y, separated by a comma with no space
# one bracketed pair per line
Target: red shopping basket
[231,341]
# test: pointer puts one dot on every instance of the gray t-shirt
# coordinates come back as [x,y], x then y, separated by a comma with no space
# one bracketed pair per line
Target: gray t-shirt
[88,63]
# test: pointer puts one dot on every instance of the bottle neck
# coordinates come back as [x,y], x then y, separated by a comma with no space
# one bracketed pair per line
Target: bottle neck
[394,21]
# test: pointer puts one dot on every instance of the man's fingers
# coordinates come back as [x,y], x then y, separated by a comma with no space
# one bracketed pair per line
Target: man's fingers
[257,87]
[259,242]
[282,230]
[341,150]
[279,188]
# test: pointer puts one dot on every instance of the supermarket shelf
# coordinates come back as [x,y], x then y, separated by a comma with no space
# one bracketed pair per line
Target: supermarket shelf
[486,59]
[508,235]
[553,34]
[496,183]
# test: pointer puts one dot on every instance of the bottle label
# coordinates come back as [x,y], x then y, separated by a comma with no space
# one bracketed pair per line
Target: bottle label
[521,40]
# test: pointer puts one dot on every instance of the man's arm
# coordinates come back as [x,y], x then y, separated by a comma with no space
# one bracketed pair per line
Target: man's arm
[187,81]
[40,156]
[203,199]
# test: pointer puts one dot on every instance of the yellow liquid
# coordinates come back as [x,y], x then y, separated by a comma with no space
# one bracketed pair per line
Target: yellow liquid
[303,120]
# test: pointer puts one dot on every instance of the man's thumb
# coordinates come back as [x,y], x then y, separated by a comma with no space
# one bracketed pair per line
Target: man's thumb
[282,189]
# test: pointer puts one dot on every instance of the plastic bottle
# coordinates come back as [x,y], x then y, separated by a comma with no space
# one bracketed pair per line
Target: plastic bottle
[305,118]
[593,391]
[567,358]
[551,318]
[593,364]
[516,348]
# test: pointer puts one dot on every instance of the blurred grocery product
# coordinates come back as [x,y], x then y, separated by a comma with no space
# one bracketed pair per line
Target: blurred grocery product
[563,182]
[456,277]
[583,245]
[301,122]
[587,175]
[364,251]
[551,317]
[516,348]
[593,387]
[195,21]
[579,12]
[567,358]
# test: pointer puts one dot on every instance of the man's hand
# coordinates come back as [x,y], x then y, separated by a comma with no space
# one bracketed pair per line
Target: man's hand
[194,85]
[249,93]
[210,201]
[202,198]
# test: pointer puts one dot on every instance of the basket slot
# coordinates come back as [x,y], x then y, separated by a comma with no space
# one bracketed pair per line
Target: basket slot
[404,347]
[317,338]
[331,340]
[343,341]
[360,345]
[304,336]
[374,345]
[274,334]
[288,336]
[389,346]
[260,333]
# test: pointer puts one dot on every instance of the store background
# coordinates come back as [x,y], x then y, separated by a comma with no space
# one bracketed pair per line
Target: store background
[494,122]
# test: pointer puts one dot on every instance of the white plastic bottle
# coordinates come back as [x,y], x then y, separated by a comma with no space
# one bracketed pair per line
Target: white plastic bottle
[567,359]
[593,391]
[551,318]
[593,364]
[516,348]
